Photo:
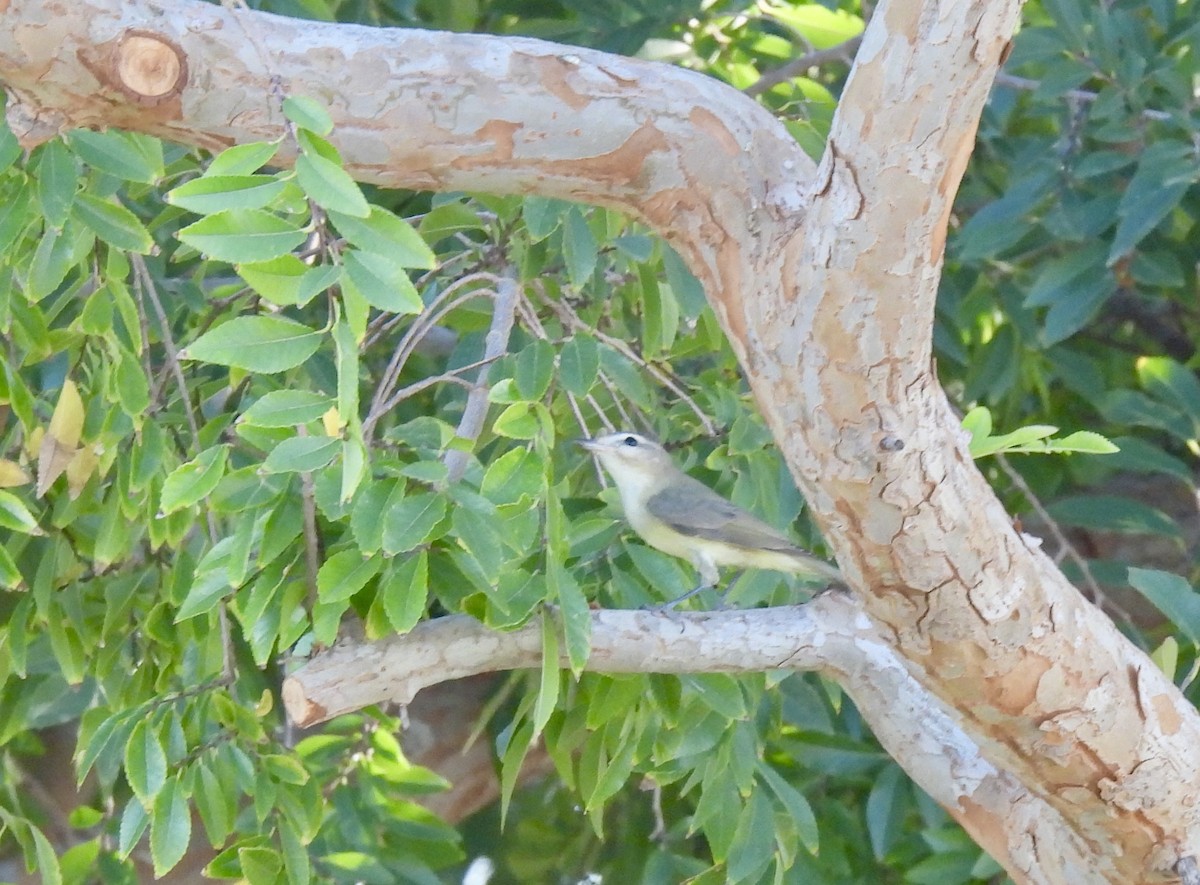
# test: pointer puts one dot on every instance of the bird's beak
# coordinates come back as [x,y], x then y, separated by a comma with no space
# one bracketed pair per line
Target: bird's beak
[589,444]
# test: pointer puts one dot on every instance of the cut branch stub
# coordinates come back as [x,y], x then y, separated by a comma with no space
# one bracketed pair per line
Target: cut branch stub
[147,67]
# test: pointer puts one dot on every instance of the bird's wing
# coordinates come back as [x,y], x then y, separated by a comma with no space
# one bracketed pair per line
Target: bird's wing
[693,509]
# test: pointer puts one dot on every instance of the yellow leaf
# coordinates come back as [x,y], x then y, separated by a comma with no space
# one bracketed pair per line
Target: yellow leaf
[12,474]
[67,421]
[58,445]
[79,469]
[332,421]
[34,442]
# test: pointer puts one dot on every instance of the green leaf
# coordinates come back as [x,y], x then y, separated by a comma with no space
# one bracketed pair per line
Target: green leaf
[383,283]
[543,215]
[1167,380]
[285,280]
[242,159]
[518,421]
[534,369]
[579,364]
[145,762]
[1165,171]
[328,185]
[260,865]
[513,477]
[794,803]
[411,521]
[347,371]
[886,806]
[15,516]
[170,827]
[256,343]
[345,573]
[189,483]
[1171,595]
[385,233]
[10,148]
[133,824]
[548,684]
[286,408]
[113,223]
[210,194]
[405,591]
[753,840]
[242,235]
[1113,513]
[576,615]
[57,178]
[579,248]
[309,113]
[302,454]
[127,156]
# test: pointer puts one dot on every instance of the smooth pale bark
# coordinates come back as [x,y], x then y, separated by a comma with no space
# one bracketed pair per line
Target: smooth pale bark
[824,280]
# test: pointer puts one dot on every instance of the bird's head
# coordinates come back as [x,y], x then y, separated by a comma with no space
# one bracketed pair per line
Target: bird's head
[630,457]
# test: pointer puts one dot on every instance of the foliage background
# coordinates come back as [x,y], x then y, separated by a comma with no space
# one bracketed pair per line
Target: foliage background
[225,426]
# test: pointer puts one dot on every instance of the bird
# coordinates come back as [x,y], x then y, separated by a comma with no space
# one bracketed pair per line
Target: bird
[680,516]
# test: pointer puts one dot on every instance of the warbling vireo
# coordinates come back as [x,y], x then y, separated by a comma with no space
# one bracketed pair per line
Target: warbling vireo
[679,515]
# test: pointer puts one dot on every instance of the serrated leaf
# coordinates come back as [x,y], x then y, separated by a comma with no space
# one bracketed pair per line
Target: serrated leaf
[256,343]
[170,827]
[548,684]
[753,840]
[113,223]
[579,248]
[534,369]
[410,522]
[385,233]
[1171,595]
[242,235]
[328,185]
[302,454]
[286,408]
[405,591]
[381,282]
[309,113]
[145,762]
[1113,513]
[885,810]
[210,194]
[57,179]
[15,516]
[345,573]
[13,474]
[59,444]
[189,483]
[242,159]
[127,156]
[579,364]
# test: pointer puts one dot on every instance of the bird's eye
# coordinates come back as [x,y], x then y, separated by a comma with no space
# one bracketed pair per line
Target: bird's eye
[630,441]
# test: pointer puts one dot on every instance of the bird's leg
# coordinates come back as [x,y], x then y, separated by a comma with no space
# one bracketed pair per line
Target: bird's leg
[724,598]
[708,578]
[669,606]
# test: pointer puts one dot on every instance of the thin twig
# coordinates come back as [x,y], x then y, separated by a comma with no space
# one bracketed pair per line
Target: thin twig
[441,305]
[1024,83]
[1065,547]
[470,425]
[451,376]
[572,319]
[145,287]
[796,67]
